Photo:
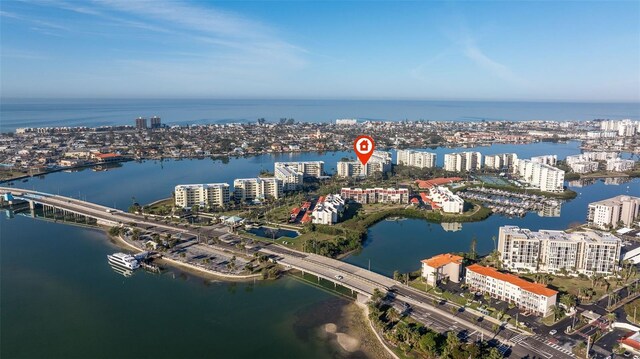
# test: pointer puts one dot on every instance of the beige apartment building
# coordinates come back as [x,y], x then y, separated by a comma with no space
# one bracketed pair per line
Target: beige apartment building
[549,251]
[613,212]
[202,195]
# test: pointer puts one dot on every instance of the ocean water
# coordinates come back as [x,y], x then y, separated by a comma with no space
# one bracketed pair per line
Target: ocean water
[15,113]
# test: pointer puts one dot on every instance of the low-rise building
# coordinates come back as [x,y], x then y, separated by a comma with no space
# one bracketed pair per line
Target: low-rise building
[532,297]
[550,251]
[584,166]
[202,195]
[442,266]
[614,212]
[376,195]
[328,209]
[440,197]
[620,165]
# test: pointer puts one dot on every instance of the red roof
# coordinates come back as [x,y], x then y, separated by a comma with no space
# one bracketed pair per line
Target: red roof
[415,200]
[631,339]
[535,288]
[306,218]
[442,260]
[107,155]
[437,181]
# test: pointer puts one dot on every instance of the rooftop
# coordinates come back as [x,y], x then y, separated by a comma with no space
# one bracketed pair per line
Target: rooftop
[442,260]
[535,288]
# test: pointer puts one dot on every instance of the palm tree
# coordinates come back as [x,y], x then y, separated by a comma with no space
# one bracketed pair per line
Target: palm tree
[557,311]
[568,300]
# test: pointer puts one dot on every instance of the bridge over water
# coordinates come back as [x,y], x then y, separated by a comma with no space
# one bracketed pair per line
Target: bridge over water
[344,274]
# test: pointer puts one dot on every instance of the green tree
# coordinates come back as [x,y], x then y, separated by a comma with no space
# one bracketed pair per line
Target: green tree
[568,300]
[428,343]
[494,353]
[472,248]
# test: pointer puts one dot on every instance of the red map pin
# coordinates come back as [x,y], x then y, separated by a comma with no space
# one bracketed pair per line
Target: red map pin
[363,146]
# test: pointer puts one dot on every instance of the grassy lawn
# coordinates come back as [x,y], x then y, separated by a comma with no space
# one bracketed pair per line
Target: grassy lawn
[573,285]
[159,205]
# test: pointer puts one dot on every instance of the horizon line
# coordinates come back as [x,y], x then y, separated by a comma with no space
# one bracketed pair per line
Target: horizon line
[284,98]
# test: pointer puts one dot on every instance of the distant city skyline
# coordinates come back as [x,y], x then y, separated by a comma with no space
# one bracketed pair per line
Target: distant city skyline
[514,51]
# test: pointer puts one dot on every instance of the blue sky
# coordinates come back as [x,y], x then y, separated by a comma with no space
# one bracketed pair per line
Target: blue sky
[582,50]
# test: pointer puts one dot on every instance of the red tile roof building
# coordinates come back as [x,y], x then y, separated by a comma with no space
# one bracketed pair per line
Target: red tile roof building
[533,297]
[442,266]
[376,195]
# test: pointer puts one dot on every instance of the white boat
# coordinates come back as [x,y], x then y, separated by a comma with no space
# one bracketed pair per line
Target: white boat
[123,260]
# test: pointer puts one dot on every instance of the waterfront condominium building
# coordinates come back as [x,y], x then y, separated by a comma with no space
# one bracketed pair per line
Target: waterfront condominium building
[588,252]
[550,160]
[620,165]
[291,179]
[155,122]
[376,195]
[540,175]
[202,195]
[141,123]
[418,159]
[613,212]
[328,209]
[441,197]
[306,168]
[249,189]
[380,162]
[462,161]
[532,297]
[500,161]
[442,266]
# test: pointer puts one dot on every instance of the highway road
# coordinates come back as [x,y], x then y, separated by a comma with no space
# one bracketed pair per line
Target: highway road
[438,316]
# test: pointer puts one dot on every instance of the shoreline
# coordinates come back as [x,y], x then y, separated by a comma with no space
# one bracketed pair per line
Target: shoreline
[186,266]
[365,310]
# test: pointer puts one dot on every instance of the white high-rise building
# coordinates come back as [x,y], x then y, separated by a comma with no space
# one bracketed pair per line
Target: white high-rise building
[418,159]
[462,161]
[612,212]
[202,195]
[380,162]
[624,128]
[292,174]
[306,168]
[588,252]
[249,189]
[500,161]
[550,160]
[540,175]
